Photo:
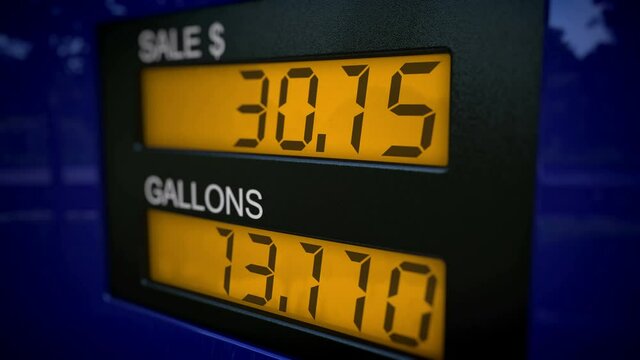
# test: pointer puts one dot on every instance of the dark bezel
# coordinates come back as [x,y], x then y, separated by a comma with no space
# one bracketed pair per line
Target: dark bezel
[475,214]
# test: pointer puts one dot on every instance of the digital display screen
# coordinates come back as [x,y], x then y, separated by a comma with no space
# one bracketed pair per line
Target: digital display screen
[392,109]
[390,298]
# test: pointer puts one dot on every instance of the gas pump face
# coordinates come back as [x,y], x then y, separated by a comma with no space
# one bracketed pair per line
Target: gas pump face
[354,178]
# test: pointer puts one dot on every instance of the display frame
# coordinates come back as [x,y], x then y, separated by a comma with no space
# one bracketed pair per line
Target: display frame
[487,188]
[303,58]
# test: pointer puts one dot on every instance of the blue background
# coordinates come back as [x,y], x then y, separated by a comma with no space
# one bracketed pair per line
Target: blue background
[585,294]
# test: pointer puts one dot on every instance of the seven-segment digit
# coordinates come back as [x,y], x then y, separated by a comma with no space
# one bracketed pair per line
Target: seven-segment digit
[227,270]
[263,270]
[362,72]
[316,250]
[428,298]
[308,127]
[365,261]
[411,109]
[259,109]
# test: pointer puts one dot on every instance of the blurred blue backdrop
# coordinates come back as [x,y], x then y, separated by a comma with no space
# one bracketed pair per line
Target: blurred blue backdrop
[585,294]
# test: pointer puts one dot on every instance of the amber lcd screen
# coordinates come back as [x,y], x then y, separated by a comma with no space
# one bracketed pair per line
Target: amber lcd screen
[392,109]
[387,297]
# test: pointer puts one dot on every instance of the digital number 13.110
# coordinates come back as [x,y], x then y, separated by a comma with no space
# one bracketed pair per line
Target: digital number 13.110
[361,72]
[363,261]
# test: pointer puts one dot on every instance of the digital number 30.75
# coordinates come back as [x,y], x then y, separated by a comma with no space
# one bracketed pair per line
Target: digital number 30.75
[362,73]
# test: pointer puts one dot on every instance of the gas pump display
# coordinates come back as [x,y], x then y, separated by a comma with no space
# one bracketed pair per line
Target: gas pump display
[280,173]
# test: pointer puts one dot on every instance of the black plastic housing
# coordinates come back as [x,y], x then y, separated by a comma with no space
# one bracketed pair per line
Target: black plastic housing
[475,214]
